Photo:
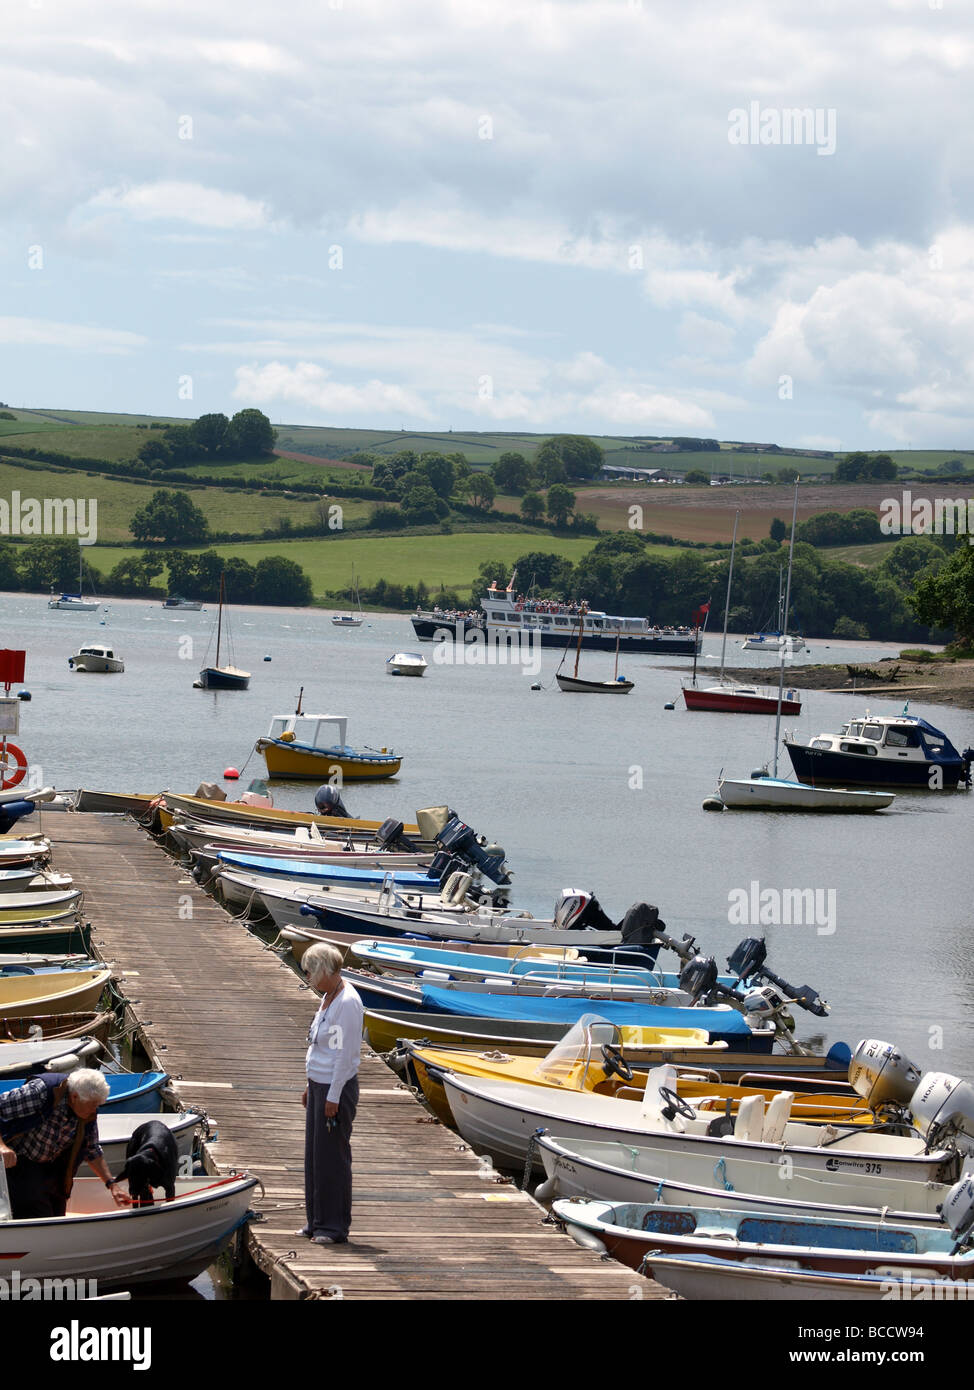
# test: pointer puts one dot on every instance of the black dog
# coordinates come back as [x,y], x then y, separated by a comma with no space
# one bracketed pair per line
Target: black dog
[151,1160]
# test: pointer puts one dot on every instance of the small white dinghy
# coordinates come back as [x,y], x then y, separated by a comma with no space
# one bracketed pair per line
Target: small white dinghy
[764,793]
[406,664]
[96,1240]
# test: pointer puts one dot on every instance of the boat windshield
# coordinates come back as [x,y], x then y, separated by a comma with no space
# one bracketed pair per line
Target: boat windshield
[576,1061]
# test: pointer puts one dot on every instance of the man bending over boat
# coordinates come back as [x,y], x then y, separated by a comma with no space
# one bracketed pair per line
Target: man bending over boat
[48,1128]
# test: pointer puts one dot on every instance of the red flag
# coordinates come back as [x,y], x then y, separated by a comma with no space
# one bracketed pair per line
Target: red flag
[701,613]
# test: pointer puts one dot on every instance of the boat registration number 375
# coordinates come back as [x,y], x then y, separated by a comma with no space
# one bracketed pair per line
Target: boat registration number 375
[834,1164]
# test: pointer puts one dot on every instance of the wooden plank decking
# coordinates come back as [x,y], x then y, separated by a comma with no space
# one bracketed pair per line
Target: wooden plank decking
[223,1013]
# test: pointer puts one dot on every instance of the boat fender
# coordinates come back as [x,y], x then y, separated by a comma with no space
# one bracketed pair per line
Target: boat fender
[68,1062]
[586,1239]
[14,778]
[546,1190]
[712,803]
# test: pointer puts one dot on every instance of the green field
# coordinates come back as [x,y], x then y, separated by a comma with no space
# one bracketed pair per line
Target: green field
[226,510]
[450,562]
[866,555]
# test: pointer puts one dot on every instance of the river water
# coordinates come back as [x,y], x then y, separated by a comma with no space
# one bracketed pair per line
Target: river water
[582,792]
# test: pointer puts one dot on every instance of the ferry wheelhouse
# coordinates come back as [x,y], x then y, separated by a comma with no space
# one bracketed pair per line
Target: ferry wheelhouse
[556,625]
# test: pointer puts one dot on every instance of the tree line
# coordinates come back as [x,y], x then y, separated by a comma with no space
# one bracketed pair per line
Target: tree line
[53,564]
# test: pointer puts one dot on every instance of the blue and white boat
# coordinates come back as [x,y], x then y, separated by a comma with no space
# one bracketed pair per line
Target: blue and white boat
[400,958]
[723,1024]
[882,751]
[137,1092]
[299,872]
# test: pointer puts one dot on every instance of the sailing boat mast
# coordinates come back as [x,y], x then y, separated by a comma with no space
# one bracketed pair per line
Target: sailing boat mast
[784,631]
[219,621]
[730,579]
[581,627]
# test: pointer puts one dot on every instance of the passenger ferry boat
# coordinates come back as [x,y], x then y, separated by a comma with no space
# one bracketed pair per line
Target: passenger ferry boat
[556,625]
[882,751]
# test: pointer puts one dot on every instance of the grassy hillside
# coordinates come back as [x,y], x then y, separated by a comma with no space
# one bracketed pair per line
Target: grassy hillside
[448,561]
[225,510]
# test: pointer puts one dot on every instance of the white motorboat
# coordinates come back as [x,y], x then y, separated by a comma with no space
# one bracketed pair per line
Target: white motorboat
[406,664]
[500,1118]
[613,1172]
[96,659]
[183,605]
[96,1240]
[763,793]
[115,1131]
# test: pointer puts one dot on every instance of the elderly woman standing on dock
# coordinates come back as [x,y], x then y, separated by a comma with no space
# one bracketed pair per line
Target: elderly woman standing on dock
[331,1098]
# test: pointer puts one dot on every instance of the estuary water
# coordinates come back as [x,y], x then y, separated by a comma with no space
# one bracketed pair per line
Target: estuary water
[581,791]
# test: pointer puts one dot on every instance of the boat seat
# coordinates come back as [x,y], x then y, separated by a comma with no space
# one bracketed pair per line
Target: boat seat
[779,1112]
[653,1103]
[749,1124]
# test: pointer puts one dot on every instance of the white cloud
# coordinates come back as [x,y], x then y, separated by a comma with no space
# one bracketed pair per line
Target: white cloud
[306,384]
[185,202]
[76,337]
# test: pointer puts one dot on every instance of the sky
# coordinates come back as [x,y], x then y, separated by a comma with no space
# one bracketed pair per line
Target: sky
[750,221]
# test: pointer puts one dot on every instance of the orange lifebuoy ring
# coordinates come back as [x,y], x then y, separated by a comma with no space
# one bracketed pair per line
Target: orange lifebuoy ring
[11,749]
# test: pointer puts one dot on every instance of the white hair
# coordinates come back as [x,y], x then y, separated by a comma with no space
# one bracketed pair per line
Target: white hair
[86,1084]
[321,959]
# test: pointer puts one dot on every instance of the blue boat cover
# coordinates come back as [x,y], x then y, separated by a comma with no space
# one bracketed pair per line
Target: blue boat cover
[326,873]
[534,1009]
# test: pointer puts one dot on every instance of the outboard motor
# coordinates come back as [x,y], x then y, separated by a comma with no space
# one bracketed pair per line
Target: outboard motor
[328,802]
[943,1109]
[746,961]
[958,1210]
[458,838]
[967,757]
[643,929]
[13,811]
[575,910]
[390,836]
[882,1075]
[699,977]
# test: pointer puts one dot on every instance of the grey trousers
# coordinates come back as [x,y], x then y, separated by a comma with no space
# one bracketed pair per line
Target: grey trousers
[328,1161]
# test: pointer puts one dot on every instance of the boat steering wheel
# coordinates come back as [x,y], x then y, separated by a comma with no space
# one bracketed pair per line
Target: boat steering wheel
[677,1103]
[614,1064]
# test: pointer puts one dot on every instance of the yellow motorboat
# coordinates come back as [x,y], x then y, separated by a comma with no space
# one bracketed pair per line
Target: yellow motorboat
[591,1058]
[312,748]
[173,807]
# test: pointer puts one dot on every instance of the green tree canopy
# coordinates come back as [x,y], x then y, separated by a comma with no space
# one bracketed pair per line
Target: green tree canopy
[281,581]
[561,501]
[946,599]
[250,434]
[532,506]
[171,517]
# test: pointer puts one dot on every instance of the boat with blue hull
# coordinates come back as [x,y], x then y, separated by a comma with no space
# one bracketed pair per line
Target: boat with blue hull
[882,751]
[723,1025]
[298,872]
[128,1092]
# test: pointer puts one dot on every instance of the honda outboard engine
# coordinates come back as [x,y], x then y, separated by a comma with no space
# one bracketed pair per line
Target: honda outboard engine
[882,1075]
[943,1110]
[575,910]
[958,1209]
[458,838]
[328,802]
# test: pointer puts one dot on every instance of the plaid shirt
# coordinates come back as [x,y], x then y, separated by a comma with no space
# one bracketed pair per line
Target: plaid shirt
[47,1140]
